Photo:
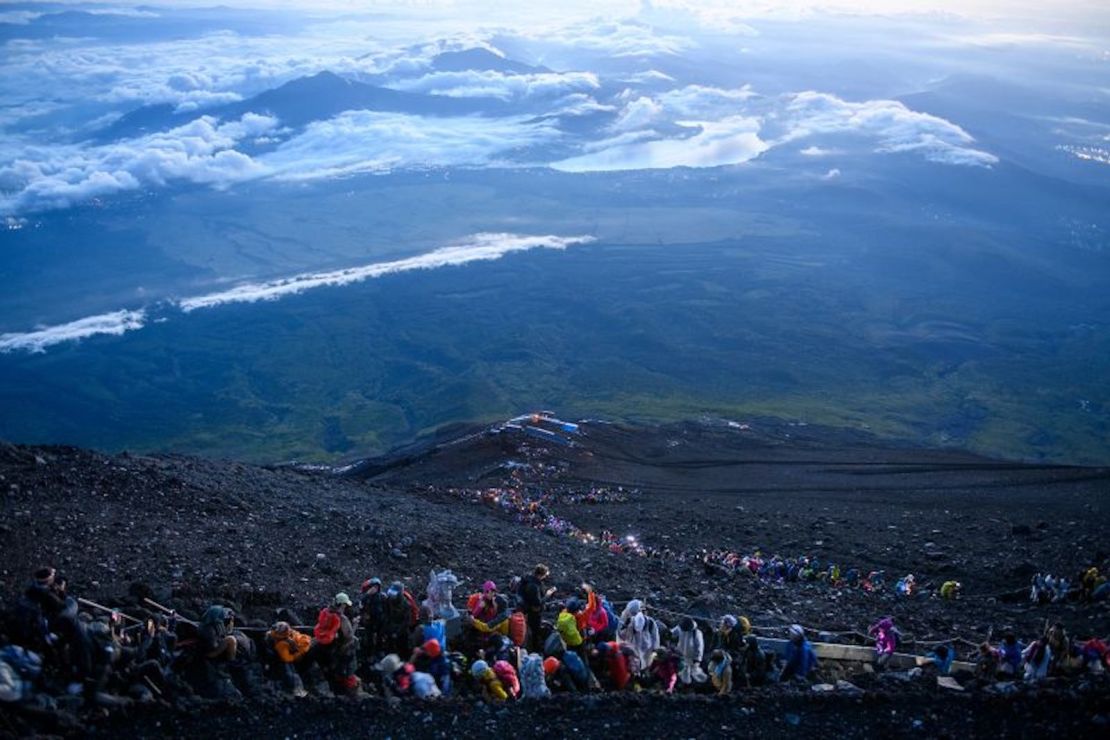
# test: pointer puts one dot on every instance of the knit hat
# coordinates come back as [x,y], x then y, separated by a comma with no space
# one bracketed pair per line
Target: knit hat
[550,665]
[370,583]
[745,625]
[281,627]
[796,630]
[342,598]
[396,588]
[432,649]
[488,586]
[729,621]
[479,668]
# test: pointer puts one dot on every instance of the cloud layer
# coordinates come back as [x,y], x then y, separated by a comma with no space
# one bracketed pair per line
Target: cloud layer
[475,248]
[114,323]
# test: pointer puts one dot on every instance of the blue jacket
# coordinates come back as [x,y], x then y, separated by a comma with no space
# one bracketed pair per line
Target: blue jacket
[800,660]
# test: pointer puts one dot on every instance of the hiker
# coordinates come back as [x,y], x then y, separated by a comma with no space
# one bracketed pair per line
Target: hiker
[906,586]
[1037,658]
[533,681]
[533,595]
[1039,592]
[47,622]
[486,604]
[950,590]
[1090,582]
[334,646]
[566,624]
[942,656]
[430,658]
[400,615]
[1010,655]
[638,631]
[613,664]
[291,648]
[491,687]
[371,620]
[396,676]
[1060,645]
[729,637]
[1095,654]
[886,640]
[988,662]
[800,659]
[720,671]
[754,665]
[664,668]
[691,648]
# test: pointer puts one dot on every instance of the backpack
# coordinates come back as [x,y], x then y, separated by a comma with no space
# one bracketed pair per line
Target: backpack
[518,628]
[327,626]
[414,609]
[610,631]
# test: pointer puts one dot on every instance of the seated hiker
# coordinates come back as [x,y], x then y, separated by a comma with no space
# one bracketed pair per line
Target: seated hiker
[950,590]
[800,660]
[533,680]
[906,586]
[1060,645]
[1036,659]
[486,604]
[988,661]
[755,664]
[334,646]
[488,683]
[690,645]
[46,621]
[501,648]
[1089,583]
[291,648]
[611,666]
[371,620]
[429,658]
[663,669]
[729,637]
[1011,651]
[396,676]
[942,656]
[429,628]
[1095,654]
[638,631]
[720,671]
[886,640]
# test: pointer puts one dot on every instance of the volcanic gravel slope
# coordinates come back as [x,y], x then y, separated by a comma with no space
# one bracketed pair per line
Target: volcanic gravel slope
[189,531]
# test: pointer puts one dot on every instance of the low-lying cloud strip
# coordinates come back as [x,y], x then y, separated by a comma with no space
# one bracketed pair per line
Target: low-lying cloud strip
[476,248]
[115,323]
[480,247]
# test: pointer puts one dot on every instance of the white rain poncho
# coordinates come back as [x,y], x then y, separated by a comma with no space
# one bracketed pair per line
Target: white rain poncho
[639,632]
[691,646]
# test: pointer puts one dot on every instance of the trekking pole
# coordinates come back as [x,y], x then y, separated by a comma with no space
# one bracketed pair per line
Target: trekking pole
[101,607]
[167,610]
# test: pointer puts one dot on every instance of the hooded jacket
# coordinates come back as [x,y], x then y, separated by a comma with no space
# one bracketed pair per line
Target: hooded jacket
[639,631]
[691,648]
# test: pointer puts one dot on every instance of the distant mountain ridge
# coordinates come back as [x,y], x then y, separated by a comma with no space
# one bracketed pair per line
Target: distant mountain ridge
[302,101]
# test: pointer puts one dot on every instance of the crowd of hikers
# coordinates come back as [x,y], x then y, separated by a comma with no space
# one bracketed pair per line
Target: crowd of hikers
[505,644]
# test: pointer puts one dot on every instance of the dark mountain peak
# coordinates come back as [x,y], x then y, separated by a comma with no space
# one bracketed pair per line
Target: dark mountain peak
[482,60]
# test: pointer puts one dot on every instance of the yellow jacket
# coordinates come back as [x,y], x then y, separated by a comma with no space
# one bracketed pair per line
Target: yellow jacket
[567,627]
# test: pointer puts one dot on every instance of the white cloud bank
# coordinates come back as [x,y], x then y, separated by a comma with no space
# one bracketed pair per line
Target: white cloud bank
[493,84]
[201,152]
[114,323]
[895,127]
[476,248]
[481,247]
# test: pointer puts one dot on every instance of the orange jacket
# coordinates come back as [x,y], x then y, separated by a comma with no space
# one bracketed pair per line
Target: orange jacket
[291,646]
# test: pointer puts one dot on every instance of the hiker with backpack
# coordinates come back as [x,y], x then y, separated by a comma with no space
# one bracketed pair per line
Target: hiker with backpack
[334,646]
[399,617]
[886,640]
[371,621]
[638,631]
[800,659]
[534,593]
[691,648]
[291,649]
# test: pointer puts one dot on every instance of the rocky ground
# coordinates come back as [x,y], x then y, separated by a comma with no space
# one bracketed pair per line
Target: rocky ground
[188,531]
